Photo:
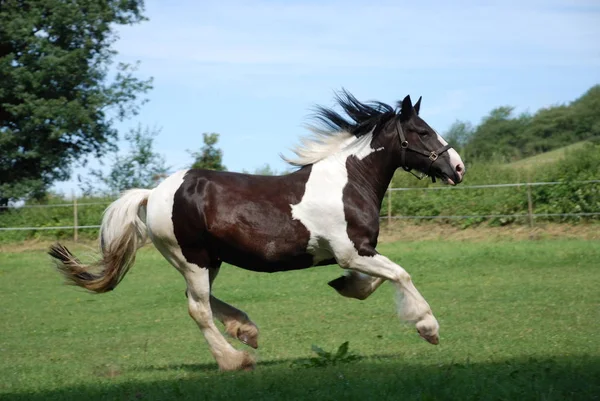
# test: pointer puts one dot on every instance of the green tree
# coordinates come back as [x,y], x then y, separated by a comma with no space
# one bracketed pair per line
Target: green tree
[59,92]
[586,112]
[209,157]
[459,133]
[550,128]
[141,167]
[561,125]
[499,135]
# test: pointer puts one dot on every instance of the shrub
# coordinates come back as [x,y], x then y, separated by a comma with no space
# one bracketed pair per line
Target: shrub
[570,197]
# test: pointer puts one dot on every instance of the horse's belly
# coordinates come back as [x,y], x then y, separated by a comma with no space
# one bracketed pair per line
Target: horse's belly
[260,251]
[261,237]
[265,262]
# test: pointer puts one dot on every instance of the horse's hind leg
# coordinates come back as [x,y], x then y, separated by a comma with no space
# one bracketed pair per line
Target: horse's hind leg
[197,277]
[236,322]
[199,306]
[356,285]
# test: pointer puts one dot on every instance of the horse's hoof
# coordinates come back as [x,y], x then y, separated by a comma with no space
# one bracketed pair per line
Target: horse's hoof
[248,364]
[431,339]
[241,360]
[435,340]
[251,341]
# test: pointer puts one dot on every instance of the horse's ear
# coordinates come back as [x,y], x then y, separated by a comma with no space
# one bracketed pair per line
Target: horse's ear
[418,105]
[406,110]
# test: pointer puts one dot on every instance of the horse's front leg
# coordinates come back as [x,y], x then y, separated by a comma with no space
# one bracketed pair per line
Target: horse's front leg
[413,307]
[356,285]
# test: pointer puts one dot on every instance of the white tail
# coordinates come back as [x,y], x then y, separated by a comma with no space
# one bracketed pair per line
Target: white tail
[122,233]
[125,217]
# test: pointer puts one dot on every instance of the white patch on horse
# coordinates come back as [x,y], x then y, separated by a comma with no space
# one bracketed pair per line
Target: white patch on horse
[321,209]
[160,212]
[455,159]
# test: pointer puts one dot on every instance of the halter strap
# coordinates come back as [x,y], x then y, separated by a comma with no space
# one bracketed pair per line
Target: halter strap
[433,155]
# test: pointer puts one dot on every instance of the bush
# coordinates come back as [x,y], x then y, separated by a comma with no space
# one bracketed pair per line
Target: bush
[43,214]
[570,197]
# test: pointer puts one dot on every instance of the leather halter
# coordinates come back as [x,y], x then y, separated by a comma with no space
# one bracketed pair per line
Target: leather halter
[432,156]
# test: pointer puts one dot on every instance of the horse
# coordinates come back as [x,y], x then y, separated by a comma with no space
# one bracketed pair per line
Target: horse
[324,212]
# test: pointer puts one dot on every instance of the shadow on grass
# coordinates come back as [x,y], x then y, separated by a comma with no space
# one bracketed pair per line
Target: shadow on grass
[377,378]
[211,367]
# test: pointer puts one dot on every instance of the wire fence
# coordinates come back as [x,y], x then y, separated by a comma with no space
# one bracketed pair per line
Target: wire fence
[389,217]
[517,184]
[530,215]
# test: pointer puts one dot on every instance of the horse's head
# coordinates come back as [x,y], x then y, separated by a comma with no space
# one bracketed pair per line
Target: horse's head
[421,148]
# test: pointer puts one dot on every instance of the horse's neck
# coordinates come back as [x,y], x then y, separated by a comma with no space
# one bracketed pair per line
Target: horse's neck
[368,168]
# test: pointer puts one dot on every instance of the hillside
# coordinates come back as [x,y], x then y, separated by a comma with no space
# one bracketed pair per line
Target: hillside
[547,158]
[505,135]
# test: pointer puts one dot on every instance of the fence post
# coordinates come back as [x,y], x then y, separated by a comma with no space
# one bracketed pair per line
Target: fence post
[529,204]
[389,216]
[75,222]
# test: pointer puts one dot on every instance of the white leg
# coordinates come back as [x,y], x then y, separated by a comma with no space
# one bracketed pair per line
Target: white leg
[198,291]
[413,307]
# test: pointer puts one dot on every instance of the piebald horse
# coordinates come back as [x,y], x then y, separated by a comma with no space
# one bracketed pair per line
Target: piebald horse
[325,212]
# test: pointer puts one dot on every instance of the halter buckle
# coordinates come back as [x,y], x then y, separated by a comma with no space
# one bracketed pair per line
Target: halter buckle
[433,156]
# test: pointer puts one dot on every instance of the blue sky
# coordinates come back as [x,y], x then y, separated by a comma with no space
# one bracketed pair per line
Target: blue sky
[252,70]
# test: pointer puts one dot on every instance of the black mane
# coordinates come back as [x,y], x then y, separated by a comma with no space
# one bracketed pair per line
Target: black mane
[363,117]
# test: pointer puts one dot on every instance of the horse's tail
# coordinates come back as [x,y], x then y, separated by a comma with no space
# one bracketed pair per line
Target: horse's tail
[122,233]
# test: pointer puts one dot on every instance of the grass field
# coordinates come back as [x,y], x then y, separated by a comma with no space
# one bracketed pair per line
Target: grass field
[519,321]
[547,158]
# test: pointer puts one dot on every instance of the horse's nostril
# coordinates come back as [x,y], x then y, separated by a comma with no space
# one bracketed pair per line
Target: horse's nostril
[459,168]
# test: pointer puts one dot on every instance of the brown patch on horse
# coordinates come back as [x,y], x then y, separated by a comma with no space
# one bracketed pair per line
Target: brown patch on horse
[241,219]
[363,195]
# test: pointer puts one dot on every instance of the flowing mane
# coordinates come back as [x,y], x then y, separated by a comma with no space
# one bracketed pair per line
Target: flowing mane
[334,131]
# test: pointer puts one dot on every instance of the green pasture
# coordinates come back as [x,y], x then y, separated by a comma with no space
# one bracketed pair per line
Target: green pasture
[519,321]
[549,158]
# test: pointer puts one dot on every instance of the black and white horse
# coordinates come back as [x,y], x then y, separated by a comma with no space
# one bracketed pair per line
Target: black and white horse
[324,213]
